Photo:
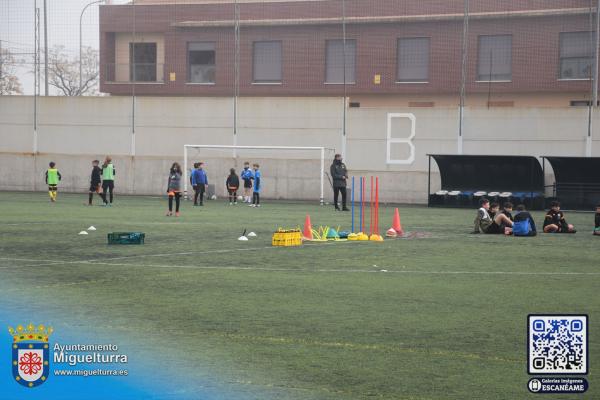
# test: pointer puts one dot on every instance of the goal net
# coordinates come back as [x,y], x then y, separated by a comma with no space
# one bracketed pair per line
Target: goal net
[287,172]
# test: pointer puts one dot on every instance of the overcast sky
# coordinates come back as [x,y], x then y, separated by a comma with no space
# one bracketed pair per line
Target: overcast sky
[17,28]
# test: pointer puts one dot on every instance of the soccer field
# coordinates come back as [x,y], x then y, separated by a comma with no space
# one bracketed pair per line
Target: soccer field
[439,315]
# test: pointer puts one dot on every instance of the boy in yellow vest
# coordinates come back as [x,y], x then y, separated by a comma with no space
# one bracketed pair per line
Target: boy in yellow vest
[52,179]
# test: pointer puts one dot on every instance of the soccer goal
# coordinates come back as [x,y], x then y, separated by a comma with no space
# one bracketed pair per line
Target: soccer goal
[274,153]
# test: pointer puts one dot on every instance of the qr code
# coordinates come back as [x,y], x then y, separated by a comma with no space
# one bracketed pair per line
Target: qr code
[557,344]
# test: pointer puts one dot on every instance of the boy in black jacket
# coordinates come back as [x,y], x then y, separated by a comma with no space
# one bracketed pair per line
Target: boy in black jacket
[555,222]
[95,181]
[597,221]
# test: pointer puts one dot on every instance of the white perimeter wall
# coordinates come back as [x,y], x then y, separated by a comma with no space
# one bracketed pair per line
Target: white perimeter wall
[73,131]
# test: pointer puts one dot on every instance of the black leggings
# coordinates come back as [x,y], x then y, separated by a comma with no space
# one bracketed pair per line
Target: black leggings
[177,196]
[256,198]
[199,192]
[232,195]
[108,186]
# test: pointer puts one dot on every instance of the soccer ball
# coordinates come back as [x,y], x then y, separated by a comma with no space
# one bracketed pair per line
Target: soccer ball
[240,198]
[214,197]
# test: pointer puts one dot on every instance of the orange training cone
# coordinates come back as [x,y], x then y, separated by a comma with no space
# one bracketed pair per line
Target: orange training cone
[396,225]
[307,233]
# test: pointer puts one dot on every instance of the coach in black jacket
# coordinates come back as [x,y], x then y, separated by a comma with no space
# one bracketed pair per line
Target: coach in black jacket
[339,174]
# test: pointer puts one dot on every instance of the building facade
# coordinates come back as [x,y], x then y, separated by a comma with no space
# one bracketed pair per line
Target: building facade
[519,52]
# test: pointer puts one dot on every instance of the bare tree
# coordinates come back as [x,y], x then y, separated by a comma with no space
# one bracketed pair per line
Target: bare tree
[9,81]
[63,72]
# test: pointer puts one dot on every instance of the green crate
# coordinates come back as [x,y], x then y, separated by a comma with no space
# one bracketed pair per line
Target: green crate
[126,238]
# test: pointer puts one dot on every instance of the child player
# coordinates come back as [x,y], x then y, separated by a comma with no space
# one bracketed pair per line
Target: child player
[504,218]
[482,219]
[52,179]
[194,183]
[200,179]
[108,180]
[257,186]
[232,183]
[523,225]
[247,177]
[597,221]
[555,222]
[95,181]
[174,189]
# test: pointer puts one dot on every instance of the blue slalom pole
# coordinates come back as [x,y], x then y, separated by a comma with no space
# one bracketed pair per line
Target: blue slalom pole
[352,201]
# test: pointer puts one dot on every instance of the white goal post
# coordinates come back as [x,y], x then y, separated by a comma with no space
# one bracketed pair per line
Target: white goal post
[321,151]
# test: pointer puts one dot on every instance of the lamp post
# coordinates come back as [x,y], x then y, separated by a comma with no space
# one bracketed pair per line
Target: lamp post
[80,35]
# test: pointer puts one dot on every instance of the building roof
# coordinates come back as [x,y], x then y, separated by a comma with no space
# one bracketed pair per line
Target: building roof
[181,2]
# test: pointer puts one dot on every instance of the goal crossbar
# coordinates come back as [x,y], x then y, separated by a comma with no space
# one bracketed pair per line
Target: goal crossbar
[321,151]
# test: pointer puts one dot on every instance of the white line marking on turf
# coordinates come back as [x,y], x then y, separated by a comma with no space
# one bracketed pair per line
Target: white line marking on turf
[216,267]
[219,251]
[18,259]
[50,263]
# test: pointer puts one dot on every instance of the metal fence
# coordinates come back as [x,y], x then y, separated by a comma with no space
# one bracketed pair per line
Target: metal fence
[380,53]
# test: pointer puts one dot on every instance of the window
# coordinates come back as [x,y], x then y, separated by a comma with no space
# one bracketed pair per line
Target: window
[266,62]
[142,62]
[494,58]
[334,61]
[201,62]
[575,55]
[413,60]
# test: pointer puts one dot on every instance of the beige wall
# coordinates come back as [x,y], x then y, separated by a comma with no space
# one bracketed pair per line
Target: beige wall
[73,131]
[122,41]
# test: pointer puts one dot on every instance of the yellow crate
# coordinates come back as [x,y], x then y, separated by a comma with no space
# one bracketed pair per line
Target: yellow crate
[287,238]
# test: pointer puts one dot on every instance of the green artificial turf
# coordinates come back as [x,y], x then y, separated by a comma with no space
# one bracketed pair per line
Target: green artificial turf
[322,321]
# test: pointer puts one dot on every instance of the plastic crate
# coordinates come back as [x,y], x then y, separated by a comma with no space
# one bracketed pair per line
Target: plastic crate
[126,238]
[287,238]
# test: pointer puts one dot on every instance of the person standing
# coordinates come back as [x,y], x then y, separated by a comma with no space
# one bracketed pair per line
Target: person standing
[247,177]
[95,181]
[52,179]
[200,178]
[257,186]
[108,180]
[339,174]
[174,189]
[194,183]
[232,183]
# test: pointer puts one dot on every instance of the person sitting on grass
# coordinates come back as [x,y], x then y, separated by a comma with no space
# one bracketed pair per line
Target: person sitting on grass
[597,220]
[501,223]
[555,222]
[523,225]
[494,228]
[483,221]
[174,189]
[504,218]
